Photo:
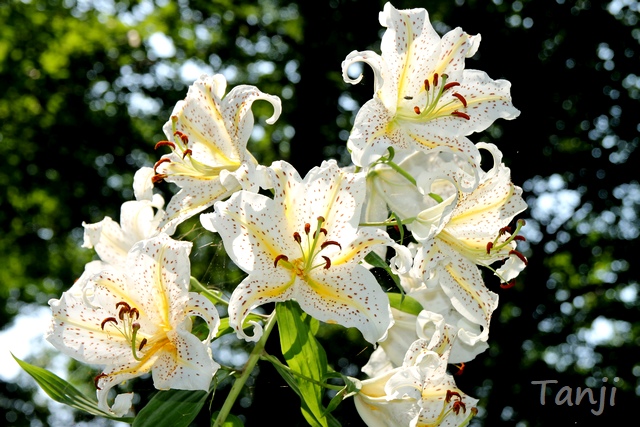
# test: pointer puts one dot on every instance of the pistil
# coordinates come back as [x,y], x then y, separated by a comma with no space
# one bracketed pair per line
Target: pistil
[127,326]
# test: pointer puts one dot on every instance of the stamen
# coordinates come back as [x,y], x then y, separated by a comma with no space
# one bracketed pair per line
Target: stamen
[460,97]
[519,255]
[505,230]
[426,85]
[435,79]
[98,378]
[183,137]
[450,85]
[142,344]
[489,247]
[330,242]
[307,228]
[461,115]
[158,163]
[186,153]
[165,144]
[509,285]
[408,98]
[328,262]
[322,230]
[108,319]
[134,311]
[278,258]
[416,109]
[159,177]
[460,367]
[457,405]
[451,394]
[124,304]
[520,238]
[296,237]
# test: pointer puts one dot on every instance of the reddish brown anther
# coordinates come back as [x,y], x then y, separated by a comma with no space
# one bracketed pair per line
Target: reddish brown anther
[165,144]
[461,115]
[278,258]
[450,395]
[124,308]
[435,79]
[158,163]
[504,230]
[416,109]
[327,262]
[186,153]
[107,320]
[460,367]
[519,255]
[322,230]
[520,238]
[134,312]
[426,85]
[489,247]
[508,285]
[460,98]
[296,237]
[457,405]
[142,343]
[183,137]
[307,228]
[450,85]
[158,178]
[98,378]
[330,242]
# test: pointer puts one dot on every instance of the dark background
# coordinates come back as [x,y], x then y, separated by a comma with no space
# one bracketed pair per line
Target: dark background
[72,135]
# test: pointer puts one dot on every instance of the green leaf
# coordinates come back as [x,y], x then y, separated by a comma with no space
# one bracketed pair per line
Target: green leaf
[171,408]
[230,421]
[404,303]
[305,356]
[377,261]
[63,392]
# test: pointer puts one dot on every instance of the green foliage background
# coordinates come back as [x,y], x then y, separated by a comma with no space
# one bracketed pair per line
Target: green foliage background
[84,95]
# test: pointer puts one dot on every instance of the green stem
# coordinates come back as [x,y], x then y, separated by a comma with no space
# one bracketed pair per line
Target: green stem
[246,372]
[275,361]
[401,171]
[387,223]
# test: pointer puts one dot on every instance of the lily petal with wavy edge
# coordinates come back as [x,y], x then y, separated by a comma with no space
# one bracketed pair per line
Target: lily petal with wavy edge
[305,244]
[208,134]
[136,321]
[112,241]
[423,96]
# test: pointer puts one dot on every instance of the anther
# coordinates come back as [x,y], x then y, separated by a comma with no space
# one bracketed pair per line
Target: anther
[307,228]
[330,242]
[520,238]
[108,319]
[186,153]
[505,230]
[327,262]
[183,137]
[519,255]
[296,237]
[408,98]
[450,395]
[278,258]
[98,378]
[450,85]
[165,144]
[124,304]
[457,405]
[509,285]
[159,177]
[460,98]
[460,367]
[426,85]
[134,311]
[416,109]
[142,344]
[159,162]
[461,115]
[435,79]
[489,247]
[322,230]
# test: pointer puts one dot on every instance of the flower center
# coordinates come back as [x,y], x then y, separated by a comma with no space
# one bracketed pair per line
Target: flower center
[452,403]
[126,325]
[439,100]
[311,245]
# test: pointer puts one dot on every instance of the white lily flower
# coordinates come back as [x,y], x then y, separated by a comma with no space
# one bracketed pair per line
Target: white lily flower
[208,134]
[138,320]
[139,219]
[305,244]
[423,97]
[418,393]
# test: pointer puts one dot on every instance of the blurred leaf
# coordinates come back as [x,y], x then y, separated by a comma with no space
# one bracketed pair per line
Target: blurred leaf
[171,408]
